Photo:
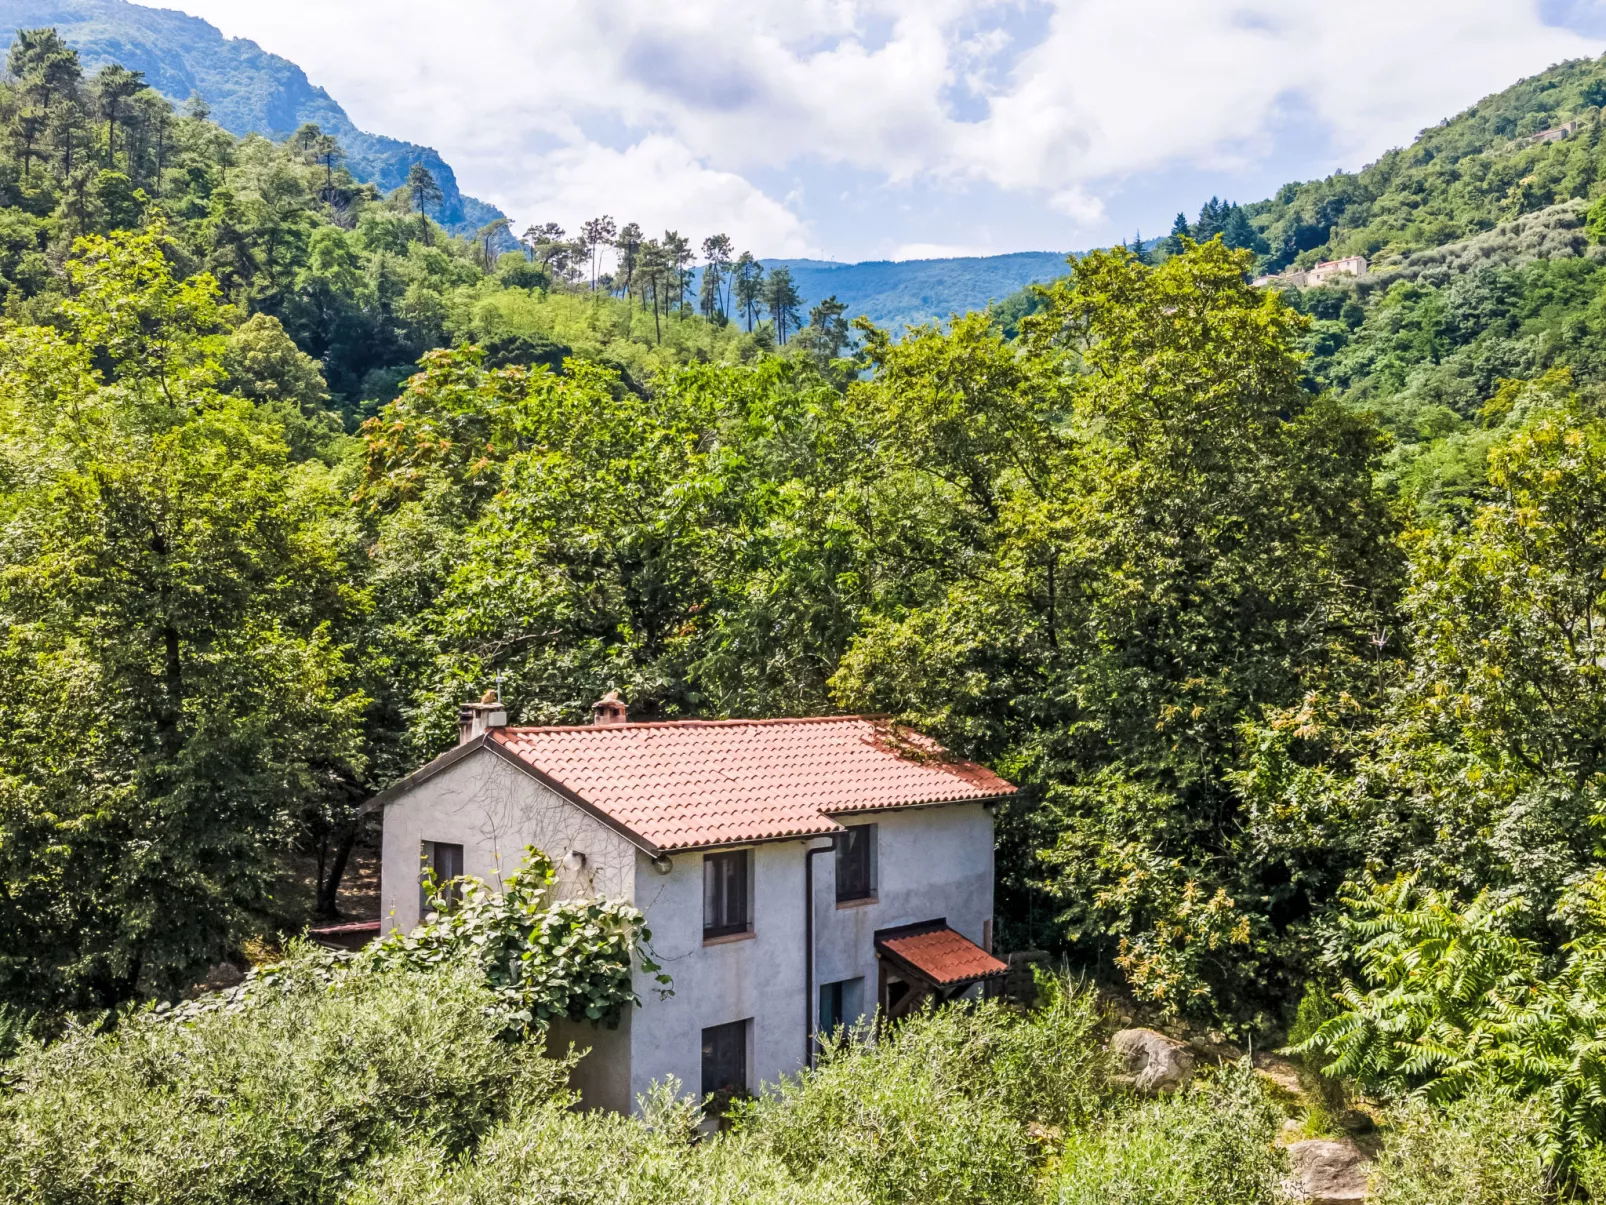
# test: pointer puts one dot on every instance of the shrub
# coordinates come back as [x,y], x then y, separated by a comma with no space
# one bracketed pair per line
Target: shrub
[1484,1150]
[939,1112]
[558,1157]
[282,1100]
[936,1112]
[1212,1145]
[1457,1004]
[1051,1067]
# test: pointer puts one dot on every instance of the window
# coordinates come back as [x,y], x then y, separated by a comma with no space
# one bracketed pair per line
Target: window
[445,862]
[841,1005]
[855,863]
[725,1062]
[725,885]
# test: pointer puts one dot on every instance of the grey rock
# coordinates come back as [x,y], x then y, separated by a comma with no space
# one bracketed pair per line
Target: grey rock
[1154,1063]
[224,974]
[1327,1172]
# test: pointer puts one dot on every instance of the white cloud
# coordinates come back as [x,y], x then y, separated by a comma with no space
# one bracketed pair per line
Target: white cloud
[704,95]
[659,184]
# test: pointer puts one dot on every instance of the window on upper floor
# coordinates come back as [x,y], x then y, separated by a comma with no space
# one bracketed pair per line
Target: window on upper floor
[443,862]
[856,863]
[727,882]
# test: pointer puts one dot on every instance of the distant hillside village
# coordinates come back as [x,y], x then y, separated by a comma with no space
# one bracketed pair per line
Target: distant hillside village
[1353,265]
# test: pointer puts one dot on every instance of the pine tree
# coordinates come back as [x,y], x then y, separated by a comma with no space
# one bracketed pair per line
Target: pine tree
[1179,230]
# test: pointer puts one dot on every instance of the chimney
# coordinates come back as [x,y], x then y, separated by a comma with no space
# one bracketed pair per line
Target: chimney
[609,709]
[474,720]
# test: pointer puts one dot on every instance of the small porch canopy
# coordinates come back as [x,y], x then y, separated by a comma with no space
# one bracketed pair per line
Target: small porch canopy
[929,961]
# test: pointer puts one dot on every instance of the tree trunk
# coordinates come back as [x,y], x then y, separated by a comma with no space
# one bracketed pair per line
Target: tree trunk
[329,885]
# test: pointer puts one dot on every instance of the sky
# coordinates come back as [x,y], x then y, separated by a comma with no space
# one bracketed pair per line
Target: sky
[901,129]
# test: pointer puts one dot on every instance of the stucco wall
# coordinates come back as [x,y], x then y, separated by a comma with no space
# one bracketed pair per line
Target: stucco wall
[493,810]
[931,863]
[602,1076]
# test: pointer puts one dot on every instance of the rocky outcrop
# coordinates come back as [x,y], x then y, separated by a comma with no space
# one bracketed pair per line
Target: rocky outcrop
[1327,1172]
[1153,1063]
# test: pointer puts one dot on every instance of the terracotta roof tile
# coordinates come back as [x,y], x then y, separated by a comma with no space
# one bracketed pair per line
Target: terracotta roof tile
[941,955]
[712,782]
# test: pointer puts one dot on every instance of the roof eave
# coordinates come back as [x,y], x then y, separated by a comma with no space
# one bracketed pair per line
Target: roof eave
[485,742]
[984,800]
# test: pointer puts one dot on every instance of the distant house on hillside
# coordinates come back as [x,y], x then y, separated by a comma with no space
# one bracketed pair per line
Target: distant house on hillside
[1330,269]
[1565,130]
[795,873]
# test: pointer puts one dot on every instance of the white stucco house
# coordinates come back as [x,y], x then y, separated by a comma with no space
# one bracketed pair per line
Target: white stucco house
[795,873]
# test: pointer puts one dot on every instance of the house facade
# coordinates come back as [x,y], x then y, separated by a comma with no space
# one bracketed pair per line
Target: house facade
[1329,269]
[795,874]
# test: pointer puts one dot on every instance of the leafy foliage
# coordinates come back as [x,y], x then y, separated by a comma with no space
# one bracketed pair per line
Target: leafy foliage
[542,960]
[1212,1143]
[283,1102]
[1458,1005]
[174,696]
[1145,531]
[1484,1150]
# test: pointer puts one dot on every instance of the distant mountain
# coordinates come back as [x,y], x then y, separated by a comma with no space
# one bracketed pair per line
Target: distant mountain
[897,293]
[248,89]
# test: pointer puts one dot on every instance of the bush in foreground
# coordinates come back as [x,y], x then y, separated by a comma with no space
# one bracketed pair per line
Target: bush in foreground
[1209,1146]
[284,1100]
[1484,1150]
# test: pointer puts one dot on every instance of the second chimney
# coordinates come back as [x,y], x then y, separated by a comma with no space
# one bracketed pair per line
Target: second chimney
[610,709]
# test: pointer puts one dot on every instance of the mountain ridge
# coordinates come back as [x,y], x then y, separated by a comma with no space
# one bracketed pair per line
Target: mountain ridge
[248,89]
[897,293]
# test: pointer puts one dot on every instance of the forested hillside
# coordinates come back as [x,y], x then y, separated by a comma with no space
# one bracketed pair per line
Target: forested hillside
[895,294]
[1281,606]
[246,89]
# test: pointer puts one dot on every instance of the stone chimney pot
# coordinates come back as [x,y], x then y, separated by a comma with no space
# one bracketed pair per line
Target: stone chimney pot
[610,709]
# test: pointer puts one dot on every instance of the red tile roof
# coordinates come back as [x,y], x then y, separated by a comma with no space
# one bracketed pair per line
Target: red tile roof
[696,783]
[941,955]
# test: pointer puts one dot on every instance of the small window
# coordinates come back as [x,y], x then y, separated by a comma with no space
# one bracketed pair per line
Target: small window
[841,1005]
[855,863]
[725,1063]
[443,862]
[725,894]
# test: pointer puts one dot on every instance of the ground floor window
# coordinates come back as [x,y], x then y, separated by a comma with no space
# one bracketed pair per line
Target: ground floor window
[725,1063]
[841,1005]
[444,861]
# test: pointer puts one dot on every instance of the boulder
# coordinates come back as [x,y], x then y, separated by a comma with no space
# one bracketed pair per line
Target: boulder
[224,974]
[1153,1063]
[1327,1172]
[1279,1072]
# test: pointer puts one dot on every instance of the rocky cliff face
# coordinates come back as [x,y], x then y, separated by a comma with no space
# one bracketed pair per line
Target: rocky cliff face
[247,89]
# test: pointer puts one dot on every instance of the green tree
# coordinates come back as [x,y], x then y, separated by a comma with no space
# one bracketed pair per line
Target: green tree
[595,234]
[1141,511]
[423,191]
[782,300]
[1179,230]
[717,249]
[172,693]
[747,278]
